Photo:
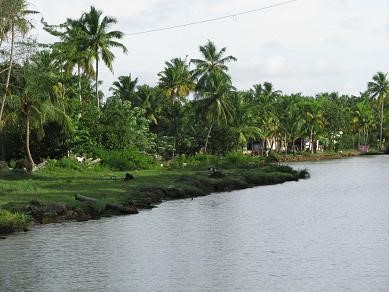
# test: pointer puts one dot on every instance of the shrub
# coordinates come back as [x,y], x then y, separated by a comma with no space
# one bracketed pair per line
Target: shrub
[65,163]
[13,222]
[230,160]
[127,160]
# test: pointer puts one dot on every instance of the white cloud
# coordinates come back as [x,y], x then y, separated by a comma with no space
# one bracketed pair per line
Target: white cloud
[307,46]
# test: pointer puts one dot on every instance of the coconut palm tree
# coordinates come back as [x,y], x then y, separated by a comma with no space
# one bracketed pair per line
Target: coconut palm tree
[100,40]
[15,21]
[176,82]
[212,103]
[213,61]
[124,87]
[71,52]
[150,100]
[243,124]
[379,89]
[35,100]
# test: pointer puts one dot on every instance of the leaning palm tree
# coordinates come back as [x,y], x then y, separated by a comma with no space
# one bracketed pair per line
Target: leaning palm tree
[213,61]
[212,103]
[379,89]
[100,40]
[36,101]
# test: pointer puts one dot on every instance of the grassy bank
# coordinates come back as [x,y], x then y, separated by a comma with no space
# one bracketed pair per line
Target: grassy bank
[306,156]
[48,195]
[13,221]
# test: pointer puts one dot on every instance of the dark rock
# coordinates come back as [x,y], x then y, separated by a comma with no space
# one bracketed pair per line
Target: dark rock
[3,166]
[175,193]
[144,203]
[44,214]
[128,177]
[3,237]
[216,174]
[23,164]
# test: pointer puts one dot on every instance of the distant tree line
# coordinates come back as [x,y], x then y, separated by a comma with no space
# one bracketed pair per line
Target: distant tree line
[51,101]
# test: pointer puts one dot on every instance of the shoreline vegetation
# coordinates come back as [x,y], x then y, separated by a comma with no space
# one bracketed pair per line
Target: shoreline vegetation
[82,192]
[116,152]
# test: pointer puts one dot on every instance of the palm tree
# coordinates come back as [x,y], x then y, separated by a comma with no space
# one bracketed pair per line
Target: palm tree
[243,123]
[100,40]
[36,100]
[16,20]
[124,88]
[176,82]
[264,98]
[71,52]
[314,119]
[149,99]
[212,102]
[379,89]
[214,61]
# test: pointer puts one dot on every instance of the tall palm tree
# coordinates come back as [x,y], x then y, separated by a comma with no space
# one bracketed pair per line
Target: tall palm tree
[176,82]
[379,89]
[212,103]
[124,87]
[213,61]
[15,21]
[71,52]
[100,40]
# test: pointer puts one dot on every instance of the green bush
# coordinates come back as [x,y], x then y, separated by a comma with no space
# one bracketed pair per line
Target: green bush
[230,160]
[127,160]
[13,222]
[66,163]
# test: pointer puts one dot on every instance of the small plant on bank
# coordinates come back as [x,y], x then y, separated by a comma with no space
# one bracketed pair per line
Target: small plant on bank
[13,222]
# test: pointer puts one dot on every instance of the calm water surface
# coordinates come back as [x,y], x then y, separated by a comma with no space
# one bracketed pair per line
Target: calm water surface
[329,233]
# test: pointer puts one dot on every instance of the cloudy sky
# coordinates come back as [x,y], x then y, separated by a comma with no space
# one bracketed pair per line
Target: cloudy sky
[308,46]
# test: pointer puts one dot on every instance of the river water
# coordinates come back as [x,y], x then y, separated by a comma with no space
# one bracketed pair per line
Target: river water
[328,233]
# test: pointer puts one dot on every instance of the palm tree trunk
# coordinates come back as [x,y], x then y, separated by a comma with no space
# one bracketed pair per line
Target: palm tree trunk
[263,146]
[8,74]
[97,83]
[382,124]
[79,82]
[28,152]
[311,138]
[207,138]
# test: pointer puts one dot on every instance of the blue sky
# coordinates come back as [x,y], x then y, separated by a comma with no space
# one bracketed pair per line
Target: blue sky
[308,46]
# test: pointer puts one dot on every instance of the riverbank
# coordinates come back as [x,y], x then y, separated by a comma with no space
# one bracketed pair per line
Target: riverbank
[49,195]
[317,156]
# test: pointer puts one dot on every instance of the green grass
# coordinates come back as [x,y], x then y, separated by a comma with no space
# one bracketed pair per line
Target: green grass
[56,184]
[39,193]
[13,222]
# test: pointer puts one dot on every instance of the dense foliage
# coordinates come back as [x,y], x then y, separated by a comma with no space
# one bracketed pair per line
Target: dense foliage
[51,104]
